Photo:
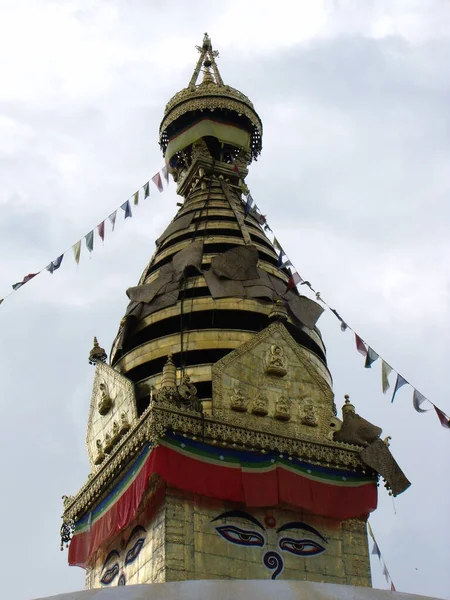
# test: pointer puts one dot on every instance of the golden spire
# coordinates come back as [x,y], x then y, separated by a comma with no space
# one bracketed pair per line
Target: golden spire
[207,58]
[97,354]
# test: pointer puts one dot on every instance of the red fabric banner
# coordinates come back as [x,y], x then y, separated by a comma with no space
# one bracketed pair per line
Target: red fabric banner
[274,486]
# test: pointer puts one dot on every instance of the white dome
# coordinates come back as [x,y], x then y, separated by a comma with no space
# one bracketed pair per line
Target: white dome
[234,590]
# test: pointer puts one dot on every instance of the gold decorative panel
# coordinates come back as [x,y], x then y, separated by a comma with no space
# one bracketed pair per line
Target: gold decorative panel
[271,383]
[111,414]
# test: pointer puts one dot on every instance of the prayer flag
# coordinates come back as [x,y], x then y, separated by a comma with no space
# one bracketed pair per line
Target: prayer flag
[157,181]
[376,550]
[393,587]
[386,573]
[280,259]
[147,190]
[360,345]
[1,300]
[445,421]
[112,218]
[55,264]
[418,399]
[136,198]
[248,204]
[277,245]
[165,172]
[371,357]
[294,279]
[90,240]
[398,384]
[385,372]
[343,323]
[25,280]
[76,251]
[101,230]
[126,207]
[370,531]
[287,263]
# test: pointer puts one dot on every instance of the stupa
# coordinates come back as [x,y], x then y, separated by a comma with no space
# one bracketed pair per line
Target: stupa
[213,438]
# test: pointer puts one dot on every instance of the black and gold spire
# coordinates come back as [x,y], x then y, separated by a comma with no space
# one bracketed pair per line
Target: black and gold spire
[214,278]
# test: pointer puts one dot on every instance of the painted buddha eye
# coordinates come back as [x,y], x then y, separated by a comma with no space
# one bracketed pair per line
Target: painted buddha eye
[132,554]
[236,535]
[110,574]
[301,547]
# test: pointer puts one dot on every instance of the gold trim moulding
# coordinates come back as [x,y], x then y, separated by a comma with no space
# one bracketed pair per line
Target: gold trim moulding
[159,419]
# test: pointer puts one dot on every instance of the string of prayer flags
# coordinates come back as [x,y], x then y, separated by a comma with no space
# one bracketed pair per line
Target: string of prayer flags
[157,181]
[26,279]
[248,204]
[55,264]
[369,353]
[401,381]
[386,370]
[419,399]
[376,550]
[101,230]
[76,251]
[344,325]
[294,280]
[360,345]
[277,245]
[371,357]
[89,237]
[126,207]
[112,218]
[445,421]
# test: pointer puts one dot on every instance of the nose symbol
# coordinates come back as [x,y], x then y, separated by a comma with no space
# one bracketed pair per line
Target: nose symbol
[273,561]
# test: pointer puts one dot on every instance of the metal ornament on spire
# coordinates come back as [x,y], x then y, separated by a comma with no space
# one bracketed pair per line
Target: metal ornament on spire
[207,58]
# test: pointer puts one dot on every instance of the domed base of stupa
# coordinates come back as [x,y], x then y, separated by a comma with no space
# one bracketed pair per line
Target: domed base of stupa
[234,590]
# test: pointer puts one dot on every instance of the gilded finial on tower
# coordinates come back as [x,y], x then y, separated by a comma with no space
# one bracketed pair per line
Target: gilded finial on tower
[278,312]
[348,406]
[97,354]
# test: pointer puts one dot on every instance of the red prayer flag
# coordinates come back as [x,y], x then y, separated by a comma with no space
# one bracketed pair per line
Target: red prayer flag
[445,421]
[360,345]
[294,279]
[101,230]
[393,587]
[157,181]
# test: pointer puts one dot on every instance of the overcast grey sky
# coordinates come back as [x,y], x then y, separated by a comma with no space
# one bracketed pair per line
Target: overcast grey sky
[354,178]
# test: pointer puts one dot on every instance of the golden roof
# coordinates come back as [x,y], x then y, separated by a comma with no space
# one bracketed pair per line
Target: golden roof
[210,94]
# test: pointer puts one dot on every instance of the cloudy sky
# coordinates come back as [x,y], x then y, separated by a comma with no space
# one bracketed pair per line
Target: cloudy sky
[355,180]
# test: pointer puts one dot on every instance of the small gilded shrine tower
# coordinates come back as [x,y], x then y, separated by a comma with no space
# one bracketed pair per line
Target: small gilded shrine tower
[213,438]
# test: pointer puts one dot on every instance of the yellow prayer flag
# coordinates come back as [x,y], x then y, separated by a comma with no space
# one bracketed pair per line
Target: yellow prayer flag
[385,371]
[76,251]
[136,198]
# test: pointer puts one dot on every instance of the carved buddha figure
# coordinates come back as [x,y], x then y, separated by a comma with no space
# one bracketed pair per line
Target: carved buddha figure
[105,402]
[115,432]
[309,412]
[124,425]
[100,455]
[238,400]
[276,361]
[108,443]
[260,404]
[283,408]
